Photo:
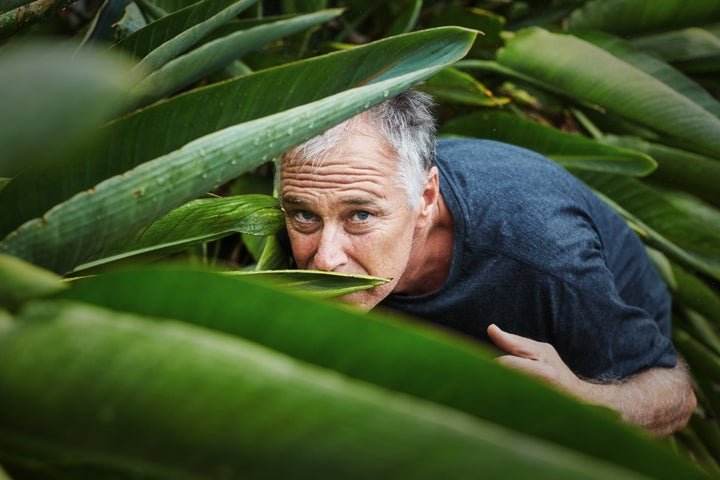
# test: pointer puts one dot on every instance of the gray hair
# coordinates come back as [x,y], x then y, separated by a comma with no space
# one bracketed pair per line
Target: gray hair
[408,126]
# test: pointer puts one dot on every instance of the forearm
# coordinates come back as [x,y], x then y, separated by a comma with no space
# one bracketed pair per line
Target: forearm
[660,400]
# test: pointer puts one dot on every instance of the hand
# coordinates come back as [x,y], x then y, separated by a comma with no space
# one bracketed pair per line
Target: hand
[660,400]
[537,359]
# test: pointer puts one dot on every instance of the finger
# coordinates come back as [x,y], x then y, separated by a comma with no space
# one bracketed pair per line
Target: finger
[514,344]
[531,367]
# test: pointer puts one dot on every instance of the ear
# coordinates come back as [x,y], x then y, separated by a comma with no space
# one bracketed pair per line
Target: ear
[429,198]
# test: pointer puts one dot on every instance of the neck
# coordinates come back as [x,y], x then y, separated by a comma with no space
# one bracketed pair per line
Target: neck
[431,255]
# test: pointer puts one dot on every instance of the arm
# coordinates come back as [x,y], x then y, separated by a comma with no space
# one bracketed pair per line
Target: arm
[660,400]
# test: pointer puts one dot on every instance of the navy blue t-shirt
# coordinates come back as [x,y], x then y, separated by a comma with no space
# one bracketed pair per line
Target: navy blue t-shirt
[538,254]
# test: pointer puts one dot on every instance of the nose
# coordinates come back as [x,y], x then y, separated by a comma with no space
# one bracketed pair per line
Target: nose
[330,254]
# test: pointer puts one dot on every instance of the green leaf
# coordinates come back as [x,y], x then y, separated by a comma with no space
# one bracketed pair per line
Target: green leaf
[408,356]
[51,96]
[677,168]
[627,17]
[206,59]
[567,149]
[704,365]
[165,39]
[145,135]
[164,399]
[656,68]
[488,23]
[592,75]
[406,18]
[22,281]
[695,294]
[681,45]
[75,231]
[321,284]
[455,86]
[196,222]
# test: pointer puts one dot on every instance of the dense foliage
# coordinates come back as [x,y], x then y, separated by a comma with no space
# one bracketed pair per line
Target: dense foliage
[141,334]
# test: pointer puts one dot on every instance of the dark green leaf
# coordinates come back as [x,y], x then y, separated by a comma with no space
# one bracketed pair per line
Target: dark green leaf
[22,281]
[567,149]
[402,355]
[243,410]
[591,75]
[168,126]
[75,231]
[197,222]
[51,96]
[321,284]
[208,58]
[165,39]
[454,86]
[677,168]
[627,17]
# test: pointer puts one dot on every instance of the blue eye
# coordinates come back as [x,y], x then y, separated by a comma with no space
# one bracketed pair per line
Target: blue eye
[361,216]
[304,216]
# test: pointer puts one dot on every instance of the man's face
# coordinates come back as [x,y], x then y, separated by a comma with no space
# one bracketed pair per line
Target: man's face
[348,215]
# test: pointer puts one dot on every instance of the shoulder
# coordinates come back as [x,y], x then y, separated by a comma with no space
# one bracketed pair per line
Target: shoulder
[520,204]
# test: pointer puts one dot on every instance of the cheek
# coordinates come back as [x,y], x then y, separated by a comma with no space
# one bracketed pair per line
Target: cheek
[303,247]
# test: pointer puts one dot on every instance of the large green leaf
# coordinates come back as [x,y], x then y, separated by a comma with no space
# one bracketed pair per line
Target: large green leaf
[677,168]
[75,231]
[685,45]
[402,355]
[169,125]
[656,68]
[206,59]
[317,283]
[167,400]
[693,293]
[628,17]
[164,39]
[567,149]
[196,222]
[455,86]
[592,75]
[22,281]
[51,96]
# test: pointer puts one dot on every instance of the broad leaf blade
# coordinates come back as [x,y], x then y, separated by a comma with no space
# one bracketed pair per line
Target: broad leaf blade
[627,17]
[196,222]
[22,281]
[656,68]
[169,125]
[165,39]
[590,74]
[677,168]
[208,58]
[51,96]
[455,86]
[75,231]
[426,362]
[567,149]
[171,400]
[317,283]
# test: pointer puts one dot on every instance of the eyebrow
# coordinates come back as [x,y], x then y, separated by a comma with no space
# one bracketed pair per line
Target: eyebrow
[361,201]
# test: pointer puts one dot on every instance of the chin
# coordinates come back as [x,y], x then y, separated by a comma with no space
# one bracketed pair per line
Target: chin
[365,300]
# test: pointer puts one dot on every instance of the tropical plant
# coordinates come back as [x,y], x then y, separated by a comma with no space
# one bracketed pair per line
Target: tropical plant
[146,136]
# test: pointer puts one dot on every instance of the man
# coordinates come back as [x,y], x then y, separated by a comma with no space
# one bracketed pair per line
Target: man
[494,241]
